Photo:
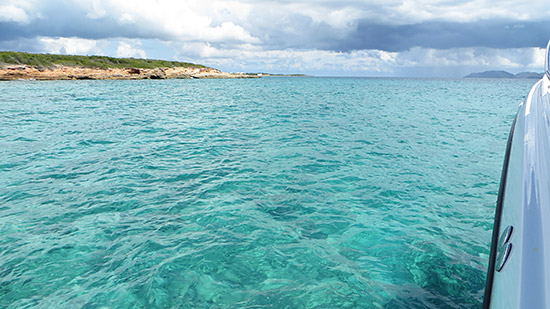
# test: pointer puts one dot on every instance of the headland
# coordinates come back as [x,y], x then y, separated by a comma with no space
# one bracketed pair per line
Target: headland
[18,65]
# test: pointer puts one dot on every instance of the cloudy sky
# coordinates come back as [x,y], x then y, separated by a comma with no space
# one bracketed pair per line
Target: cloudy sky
[420,38]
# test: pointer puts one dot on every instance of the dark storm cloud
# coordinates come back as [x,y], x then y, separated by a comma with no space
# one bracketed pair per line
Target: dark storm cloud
[295,30]
[446,35]
[438,35]
[63,21]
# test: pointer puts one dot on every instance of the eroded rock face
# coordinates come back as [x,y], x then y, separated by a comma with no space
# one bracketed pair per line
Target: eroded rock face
[133,71]
[64,72]
[157,73]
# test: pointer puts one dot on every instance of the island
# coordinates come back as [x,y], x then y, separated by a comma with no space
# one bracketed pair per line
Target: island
[504,74]
[27,66]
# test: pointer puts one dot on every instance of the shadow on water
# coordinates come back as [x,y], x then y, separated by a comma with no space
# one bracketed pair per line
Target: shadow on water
[440,281]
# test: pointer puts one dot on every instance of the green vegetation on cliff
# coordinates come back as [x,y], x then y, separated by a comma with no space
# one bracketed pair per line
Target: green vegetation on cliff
[102,62]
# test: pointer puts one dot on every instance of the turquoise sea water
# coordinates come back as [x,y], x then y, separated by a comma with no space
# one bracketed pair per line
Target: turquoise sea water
[272,192]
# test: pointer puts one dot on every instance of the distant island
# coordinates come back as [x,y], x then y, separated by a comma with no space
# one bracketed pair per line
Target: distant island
[504,74]
[19,65]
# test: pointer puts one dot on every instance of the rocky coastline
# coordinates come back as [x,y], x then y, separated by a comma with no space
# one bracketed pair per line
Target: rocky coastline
[60,72]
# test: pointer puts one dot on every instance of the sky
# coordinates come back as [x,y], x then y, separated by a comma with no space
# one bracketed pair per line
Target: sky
[421,38]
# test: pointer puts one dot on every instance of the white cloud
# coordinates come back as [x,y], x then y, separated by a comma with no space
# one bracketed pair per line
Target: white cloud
[126,18]
[96,10]
[532,58]
[11,13]
[228,11]
[228,32]
[251,58]
[341,16]
[176,20]
[72,46]
[126,50]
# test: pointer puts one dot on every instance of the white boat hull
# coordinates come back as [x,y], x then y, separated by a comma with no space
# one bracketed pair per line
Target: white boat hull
[519,266]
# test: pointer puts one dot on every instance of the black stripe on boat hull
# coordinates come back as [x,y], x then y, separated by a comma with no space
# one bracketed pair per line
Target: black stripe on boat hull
[498,216]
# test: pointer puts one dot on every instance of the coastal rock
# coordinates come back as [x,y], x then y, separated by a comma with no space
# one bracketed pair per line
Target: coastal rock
[82,73]
[157,73]
[133,71]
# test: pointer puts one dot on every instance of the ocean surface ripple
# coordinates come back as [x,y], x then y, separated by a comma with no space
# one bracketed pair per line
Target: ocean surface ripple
[272,192]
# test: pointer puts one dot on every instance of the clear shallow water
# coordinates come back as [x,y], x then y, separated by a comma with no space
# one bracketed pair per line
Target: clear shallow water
[276,192]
